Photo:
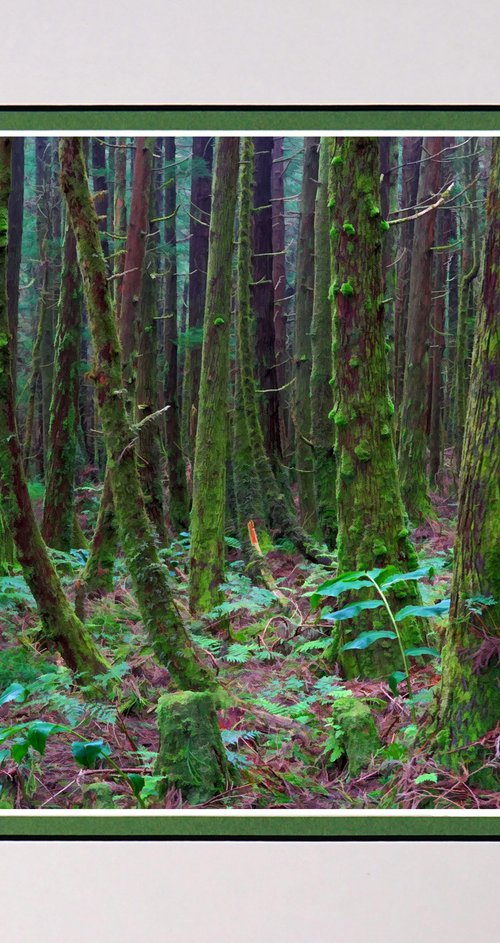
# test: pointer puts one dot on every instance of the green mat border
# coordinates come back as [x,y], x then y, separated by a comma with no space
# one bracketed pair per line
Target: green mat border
[254,826]
[250,118]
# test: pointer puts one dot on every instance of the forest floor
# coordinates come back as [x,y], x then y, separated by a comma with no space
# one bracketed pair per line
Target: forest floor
[278,733]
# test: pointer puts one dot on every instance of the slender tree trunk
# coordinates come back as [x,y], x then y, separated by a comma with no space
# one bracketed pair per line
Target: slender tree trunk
[372,527]
[413,437]
[201,201]
[263,299]
[209,474]
[150,578]
[60,624]
[469,704]
[120,219]
[101,200]
[16,206]
[389,152]
[283,371]
[437,351]
[177,483]
[470,271]
[412,150]
[321,434]
[304,309]
[59,505]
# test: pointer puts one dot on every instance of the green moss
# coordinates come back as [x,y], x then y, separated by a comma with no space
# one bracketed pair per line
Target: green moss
[384,225]
[385,430]
[331,203]
[346,465]
[379,548]
[334,232]
[355,361]
[363,452]
[219,321]
[359,735]
[334,288]
[374,211]
[191,754]
[346,289]
[349,229]
[337,160]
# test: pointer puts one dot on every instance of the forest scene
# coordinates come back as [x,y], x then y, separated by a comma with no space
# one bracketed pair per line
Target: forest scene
[249,472]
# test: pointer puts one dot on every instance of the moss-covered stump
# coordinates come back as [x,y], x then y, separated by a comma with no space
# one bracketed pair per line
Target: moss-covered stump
[360,738]
[191,754]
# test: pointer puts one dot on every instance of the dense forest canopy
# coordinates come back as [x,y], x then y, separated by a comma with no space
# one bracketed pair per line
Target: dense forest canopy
[249,472]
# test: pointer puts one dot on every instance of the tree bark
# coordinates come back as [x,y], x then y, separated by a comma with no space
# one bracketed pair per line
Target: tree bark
[413,435]
[209,474]
[469,703]
[16,206]
[372,527]
[412,149]
[321,435]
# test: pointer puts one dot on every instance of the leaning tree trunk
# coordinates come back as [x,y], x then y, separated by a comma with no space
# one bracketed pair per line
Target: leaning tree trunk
[469,701]
[209,474]
[60,624]
[159,613]
[413,431]
[178,503]
[372,527]
[321,434]
[59,504]
[303,316]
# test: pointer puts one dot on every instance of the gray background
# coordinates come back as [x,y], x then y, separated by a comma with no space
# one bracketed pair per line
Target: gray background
[249,51]
[249,892]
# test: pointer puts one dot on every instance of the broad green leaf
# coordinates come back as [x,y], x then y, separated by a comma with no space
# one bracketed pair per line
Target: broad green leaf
[394,679]
[334,588]
[423,650]
[426,778]
[38,733]
[349,612]
[365,639]
[137,783]
[427,612]
[424,571]
[4,754]
[19,750]
[14,692]
[87,754]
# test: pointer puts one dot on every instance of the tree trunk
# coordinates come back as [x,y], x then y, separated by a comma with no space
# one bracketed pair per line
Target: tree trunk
[59,505]
[263,299]
[16,206]
[469,704]
[437,350]
[283,371]
[321,434]
[413,436]
[177,484]
[372,528]
[150,578]
[201,201]
[60,624]
[209,474]
[412,149]
[304,308]
[101,200]
[149,440]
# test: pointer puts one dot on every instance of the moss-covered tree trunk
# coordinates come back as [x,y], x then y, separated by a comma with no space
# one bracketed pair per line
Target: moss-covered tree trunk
[470,271]
[412,149]
[149,439]
[199,226]
[209,474]
[178,503]
[101,191]
[321,434]
[372,528]
[469,702]
[262,296]
[16,206]
[60,624]
[304,294]
[283,371]
[150,578]
[59,504]
[413,431]
[437,349]
[389,171]
[120,218]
